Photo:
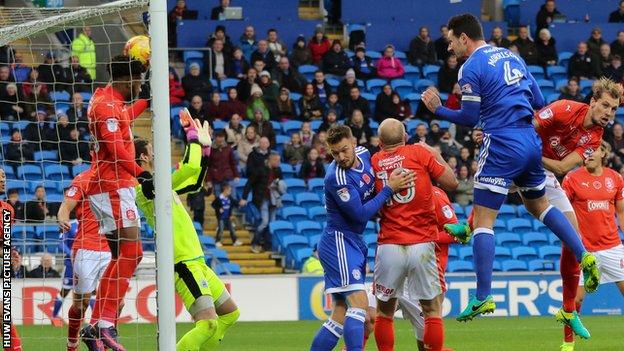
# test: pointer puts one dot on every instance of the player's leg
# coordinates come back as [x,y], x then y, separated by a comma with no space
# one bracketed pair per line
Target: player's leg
[413,312]
[355,319]
[230,227]
[75,315]
[68,276]
[219,233]
[332,329]
[89,267]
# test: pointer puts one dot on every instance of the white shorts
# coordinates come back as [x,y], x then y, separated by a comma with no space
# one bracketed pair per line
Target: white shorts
[417,263]
[556,195]
[412,311]
[610,264]
[115,210]
[88,269]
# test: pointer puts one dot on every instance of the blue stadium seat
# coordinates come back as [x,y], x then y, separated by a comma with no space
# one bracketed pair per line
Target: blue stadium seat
[414,100]
[86,96]
[228,83]
[465,253]
[560,84]
[308,71]
[514,266]
[551,253]
[538,226]
[299,256]
[546,86]
[54,197]
[227,268]
[288,200]
[502,253]
[507,212]
[334,83]
[519,225]
[541,265]
[77,169]
[20,185]
[535,239]
[317,213]
[292,242]
[554,240]
[24,231]
[290,127]
[294,214]
[401,56]
[315,124]
[295,97]
[585,86]
[56,172]
[459,211]
[59,96]
[523,213]
[460,266]
[509,240]
[524,253]
[371,228]
[537,72]
[423,84]
[316,184]
[370,239]
[308,228]
[45,156]
[552,98]
[375,55]
[29,172]
[198,228]
[314,240]
[431,72]
[288,171]
[556,72]
[402,86]
[219,254]
[412,73]
[307,200]
[48,232]
[374,85]
[188,54]
[281,228]
[564,58]
[295,185]
[207,242]
[499,224]
[218,125]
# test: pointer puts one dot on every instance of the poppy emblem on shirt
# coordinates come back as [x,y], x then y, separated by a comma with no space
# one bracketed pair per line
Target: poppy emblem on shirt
[366,178]
[597,185]
[130,215]
[343,194]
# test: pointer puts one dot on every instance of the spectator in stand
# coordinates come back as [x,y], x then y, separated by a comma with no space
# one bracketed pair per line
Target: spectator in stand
[63,129]
[453,101]
[248,43]
[361,130]
[277,47]
[333,104]
[402,108]
[5,78]
[330,120]
[421,136]
[259,65]
[18,151]
[300,54]
[322,89]
[617,46]
[176,92]
[513,48]
[234,131]
[595,41]
[195,83]
[320,144]
[217,12]
[617,141]
[383,104]
[219,34]
[197,109]
[84,48]
[374,146]
[344,88]
[222,205]
[238,65]
[617,15]
[390,67]
[222,168]
[73,151]
[178,13]
[336,61]
[441,44]
[448,145]
[312,166]
[464,157]
[307,134]
[526,46]
[14,200]
[583,65]
[262,125]
[79,77]
[10,107]
[19,69]
[45,269]
[363,65]
[615,71]
[264,54]
[18,270]
[215,109]
[319,45]
[220,60]
[256,102]
[294,151]
[422,49]
[37,209]
[546,50]
[270,90]
[35,95]
[605,56]
[464,192]
[258,156]
[287,76]
[284,108]
[310,106]
[546,15]
[243,88]
[39,134]
[357,102]
[77,113]
[436,133]
[54,74]
[497,38]
[246,145]
[234,105]
[447,76]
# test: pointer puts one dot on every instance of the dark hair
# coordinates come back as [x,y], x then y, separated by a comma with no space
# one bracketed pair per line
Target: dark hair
[220,28]
[220,133]
[468,24]
[123,66]
[39,187]
[225,186]
[337,133]
[317,71]
[140,148]
[13,191]
[271,30]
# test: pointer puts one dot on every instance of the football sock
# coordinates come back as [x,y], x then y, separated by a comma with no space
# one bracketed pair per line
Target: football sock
[568,334]
[570,275]
[92,303]
[196,337]
[75,321]
[327,337]
[559,224]
[224,322]
[354,328]
[58,303]
[100,297]
[433,337]
[483,249]
[384,333]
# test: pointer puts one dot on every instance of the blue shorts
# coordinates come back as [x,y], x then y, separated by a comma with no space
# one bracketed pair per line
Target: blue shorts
[68,275]
[511,157]
[343,256]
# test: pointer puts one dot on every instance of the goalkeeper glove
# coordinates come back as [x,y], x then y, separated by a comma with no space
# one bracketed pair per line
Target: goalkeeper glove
[146,179]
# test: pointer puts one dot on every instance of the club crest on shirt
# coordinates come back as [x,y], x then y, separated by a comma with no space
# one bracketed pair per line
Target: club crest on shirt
[448,213]
[545,114]
[366,178]
[597,185]
[356,274]
[343,194]
[112,125]
[609,183]
[588,152]
[130,214]
[72,191]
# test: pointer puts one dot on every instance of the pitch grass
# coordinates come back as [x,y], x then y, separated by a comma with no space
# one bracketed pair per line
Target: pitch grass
[484,334]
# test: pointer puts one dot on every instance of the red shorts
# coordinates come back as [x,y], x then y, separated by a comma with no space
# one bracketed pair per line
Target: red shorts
[115,210]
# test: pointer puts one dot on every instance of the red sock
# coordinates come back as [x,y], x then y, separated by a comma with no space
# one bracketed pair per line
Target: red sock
[570,275]
[75,321]
[16,342]
[100,296]
[470,220]
[433,337]
[384,333]
[130,254]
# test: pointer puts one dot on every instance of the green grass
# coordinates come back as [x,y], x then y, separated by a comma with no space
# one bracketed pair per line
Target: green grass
[484,334]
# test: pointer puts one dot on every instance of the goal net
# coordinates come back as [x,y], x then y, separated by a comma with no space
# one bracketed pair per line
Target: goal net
[51,62]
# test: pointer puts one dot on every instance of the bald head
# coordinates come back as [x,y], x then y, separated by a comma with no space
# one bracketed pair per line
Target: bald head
[391,133]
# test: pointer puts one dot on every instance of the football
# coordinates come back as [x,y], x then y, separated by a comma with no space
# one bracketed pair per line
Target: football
[138,48]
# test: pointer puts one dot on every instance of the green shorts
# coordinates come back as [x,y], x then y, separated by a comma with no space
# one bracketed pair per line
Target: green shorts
[198,286]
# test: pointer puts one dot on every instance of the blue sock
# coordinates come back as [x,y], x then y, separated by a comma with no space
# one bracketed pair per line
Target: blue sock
[354,329]
[483,250]
[327,337]
[92,302]
[58,303]
[559,224]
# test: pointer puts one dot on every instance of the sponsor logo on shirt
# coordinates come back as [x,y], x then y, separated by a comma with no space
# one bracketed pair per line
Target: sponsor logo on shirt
[366,178]
[343,194]
[602,205]
[546,114]
[585,138]
[384,163]
[493,181]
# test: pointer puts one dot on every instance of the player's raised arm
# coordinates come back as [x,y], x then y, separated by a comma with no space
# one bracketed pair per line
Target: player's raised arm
[439,170]
[560,168]
[538,100]
[467,115]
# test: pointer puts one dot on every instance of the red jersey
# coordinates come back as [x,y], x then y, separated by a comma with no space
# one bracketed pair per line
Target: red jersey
[561,130]
[445,215]
[109,122]
[88,234]
[593,199]
[408,217]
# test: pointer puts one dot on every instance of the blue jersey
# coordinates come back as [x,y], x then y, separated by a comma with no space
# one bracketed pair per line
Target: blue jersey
[499,80]
[67,239]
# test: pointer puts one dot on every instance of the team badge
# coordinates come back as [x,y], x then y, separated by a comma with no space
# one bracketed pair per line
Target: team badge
[343,194]
[546,114]
[448,213]
[130,214]
[366,178]
[356,274]
[72,191]
[609,183]
[597,185]
[588,152]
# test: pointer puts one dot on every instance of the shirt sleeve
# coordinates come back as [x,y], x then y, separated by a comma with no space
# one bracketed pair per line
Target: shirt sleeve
[568,188]
[350,203]
[433,167]
[469,83]
[74,193]
[547,117]
[619,194]
[587,149]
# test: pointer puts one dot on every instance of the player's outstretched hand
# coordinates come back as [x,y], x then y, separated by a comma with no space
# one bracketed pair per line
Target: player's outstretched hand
[64,225]
[431,98]
[401,179]
[203,133]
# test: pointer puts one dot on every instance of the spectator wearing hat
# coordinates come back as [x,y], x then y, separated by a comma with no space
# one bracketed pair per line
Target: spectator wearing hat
[422,49]
[39,134]
[287,76]
[363,65]
[243,88]
[248,43]
[257,102]
[546,50]
[336,61]
[389,67]
[238,65]
[217,12]
[234,105]
[357,102]
[277,47]
[84,48]
[270,90]
[263,126]
[615,70]
[300,54]
[319,45]
[18,270]
[176,91]
[447,76]
[309,105]
[215,109]
[219,34]
[11,108]
[18,151]
[264,54]
[284,107]
[194,83]
[322,89]
[595,41]
[344,88]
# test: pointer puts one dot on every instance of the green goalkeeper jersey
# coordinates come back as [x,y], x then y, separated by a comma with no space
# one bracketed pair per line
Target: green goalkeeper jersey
[187,178]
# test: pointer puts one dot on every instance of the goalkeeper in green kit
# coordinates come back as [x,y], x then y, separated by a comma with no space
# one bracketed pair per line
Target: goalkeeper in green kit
[203,293]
